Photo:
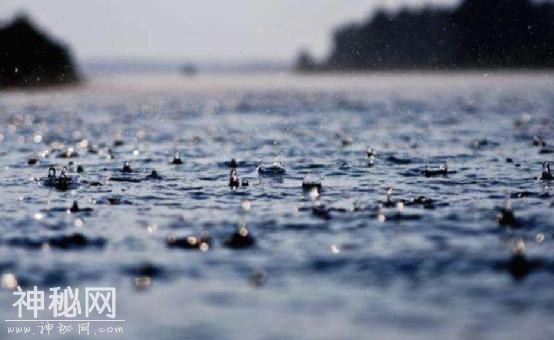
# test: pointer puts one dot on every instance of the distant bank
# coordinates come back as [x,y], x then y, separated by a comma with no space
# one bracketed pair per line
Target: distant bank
[30,58]
[477,34]
[177,66]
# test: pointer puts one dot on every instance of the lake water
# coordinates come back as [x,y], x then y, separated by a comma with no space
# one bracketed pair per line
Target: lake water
[355,267]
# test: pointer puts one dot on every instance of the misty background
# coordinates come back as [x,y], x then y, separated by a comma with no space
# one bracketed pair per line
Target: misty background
[166,33]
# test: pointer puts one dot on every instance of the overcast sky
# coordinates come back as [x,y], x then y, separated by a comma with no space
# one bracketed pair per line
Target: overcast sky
[231,30]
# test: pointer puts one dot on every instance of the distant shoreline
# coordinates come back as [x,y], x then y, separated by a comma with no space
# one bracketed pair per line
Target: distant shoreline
[475,34]
[354,72]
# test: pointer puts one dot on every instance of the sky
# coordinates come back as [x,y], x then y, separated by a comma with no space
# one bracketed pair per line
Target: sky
[193,30]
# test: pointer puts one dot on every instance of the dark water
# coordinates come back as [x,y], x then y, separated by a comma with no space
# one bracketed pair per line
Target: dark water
[355,268]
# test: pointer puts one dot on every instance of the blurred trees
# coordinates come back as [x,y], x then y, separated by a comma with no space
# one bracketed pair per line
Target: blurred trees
[30,58]
[475,34]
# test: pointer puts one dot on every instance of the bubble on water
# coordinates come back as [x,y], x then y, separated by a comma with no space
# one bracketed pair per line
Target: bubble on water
[152,228]
[381,217]
[9,281]
[243,231]
[83,144]
[314,194]
[37,138]
[143,282]
[526,117]
[79,223]
[539,238]
[335,249]
[246,205]
[518,247]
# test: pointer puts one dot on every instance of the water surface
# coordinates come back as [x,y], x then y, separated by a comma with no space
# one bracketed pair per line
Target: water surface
[419,271]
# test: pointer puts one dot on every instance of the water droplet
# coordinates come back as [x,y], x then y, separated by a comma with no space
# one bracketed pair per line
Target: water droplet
[314,194]
[143,282]
[246,205]
[152,228]
[243,231]
[9,281]
[518,247]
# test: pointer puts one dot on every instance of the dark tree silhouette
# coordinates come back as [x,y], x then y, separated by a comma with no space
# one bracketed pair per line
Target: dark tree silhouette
[305,62]
[28,57]
[475,34]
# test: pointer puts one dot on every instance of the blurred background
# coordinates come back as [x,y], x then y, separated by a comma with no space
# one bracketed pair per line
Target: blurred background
[123,36]
[163,35]
[166,32]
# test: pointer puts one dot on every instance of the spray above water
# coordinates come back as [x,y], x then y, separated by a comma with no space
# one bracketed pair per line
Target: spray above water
[127,167]
[546,174]
[371,154]
[441,171]
[311,182]
[176,158]
[273,169]
[506,216]
[63,182]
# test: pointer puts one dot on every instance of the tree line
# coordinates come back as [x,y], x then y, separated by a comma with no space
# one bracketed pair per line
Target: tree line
[475,34]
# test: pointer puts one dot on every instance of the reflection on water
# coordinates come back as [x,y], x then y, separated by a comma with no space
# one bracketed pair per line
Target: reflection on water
[359,204]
